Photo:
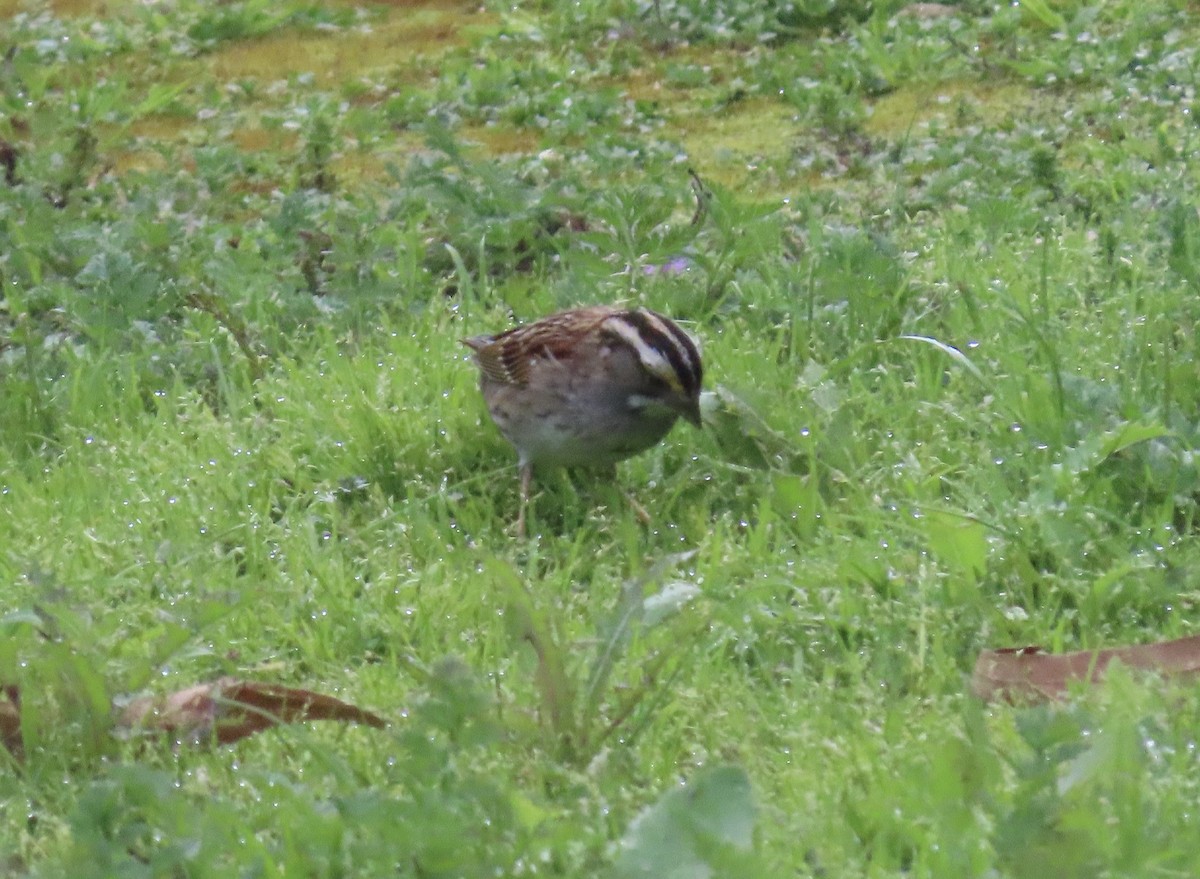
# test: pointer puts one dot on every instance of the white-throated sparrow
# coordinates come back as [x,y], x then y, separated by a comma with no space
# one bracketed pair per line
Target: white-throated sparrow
[587,387]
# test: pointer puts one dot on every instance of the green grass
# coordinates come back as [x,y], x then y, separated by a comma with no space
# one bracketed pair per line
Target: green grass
[946,286]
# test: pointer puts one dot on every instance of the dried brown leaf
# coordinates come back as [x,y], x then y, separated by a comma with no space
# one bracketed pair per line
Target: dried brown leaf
[229,709]
[1028,674]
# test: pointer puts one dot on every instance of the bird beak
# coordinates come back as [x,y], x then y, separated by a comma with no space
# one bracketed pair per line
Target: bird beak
[691,411]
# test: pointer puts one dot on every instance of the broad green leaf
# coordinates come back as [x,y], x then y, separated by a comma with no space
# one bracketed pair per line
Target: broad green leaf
[692,829]
[1129,434]
[958,540]
[744,436]
[674,596]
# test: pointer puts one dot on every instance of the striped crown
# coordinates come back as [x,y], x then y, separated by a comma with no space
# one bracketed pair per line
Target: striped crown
[666,351]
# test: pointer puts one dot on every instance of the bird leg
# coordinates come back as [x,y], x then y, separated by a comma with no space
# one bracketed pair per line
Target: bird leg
[526,478]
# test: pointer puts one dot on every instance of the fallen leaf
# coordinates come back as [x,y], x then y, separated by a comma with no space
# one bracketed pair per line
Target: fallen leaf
[1027,673]
[229,709]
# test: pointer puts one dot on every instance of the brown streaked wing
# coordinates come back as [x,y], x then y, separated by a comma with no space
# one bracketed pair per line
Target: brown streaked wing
[488,356]
[552,338]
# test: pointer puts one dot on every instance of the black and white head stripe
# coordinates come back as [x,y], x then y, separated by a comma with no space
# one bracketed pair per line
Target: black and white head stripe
[665,350]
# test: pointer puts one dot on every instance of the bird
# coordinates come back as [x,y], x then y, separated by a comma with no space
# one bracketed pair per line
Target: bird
[587,387]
